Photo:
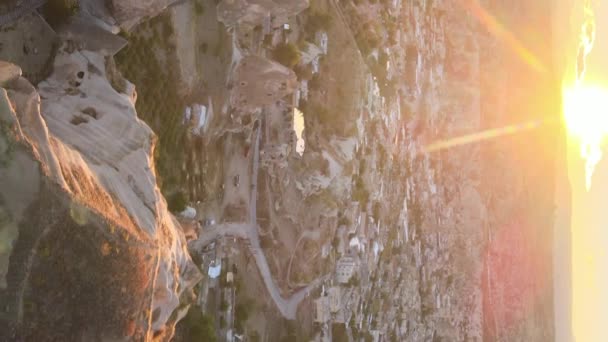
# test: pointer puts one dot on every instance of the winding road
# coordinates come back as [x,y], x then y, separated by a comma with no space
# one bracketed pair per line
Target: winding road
[249,231]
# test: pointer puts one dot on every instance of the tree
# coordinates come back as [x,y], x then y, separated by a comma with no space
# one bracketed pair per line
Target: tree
[338,332]
[318,21]
[177,202]
[57,12]
[199,327]
[241,313]
[254,337]
[287,54]
[376,211]
[344,221]
[360,193]
[199,9]
[304,72]
[223,305]
[335,242]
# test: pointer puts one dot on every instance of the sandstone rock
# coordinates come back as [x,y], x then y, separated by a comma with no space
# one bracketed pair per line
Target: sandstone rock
[8,72]
[30,42]
[97,255]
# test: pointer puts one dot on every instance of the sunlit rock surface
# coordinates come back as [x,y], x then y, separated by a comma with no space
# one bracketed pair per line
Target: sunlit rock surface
[94,252]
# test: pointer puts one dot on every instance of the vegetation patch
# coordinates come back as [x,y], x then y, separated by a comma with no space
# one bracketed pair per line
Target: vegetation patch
[287,54]
[149,63]
[57,12]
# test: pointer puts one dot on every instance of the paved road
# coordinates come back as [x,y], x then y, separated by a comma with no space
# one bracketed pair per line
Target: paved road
[26,7]
[249,232]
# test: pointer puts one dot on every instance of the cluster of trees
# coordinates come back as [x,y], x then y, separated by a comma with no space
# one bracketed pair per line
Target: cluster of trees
[161,107]
[197,326]
[317,22]
[177,202]
[287,54]
[57,12]
[360,192]
[367,39]
[199,9]
[244,308]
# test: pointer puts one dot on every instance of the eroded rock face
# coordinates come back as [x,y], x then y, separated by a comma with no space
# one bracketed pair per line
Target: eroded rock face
[94,252]
[250,13]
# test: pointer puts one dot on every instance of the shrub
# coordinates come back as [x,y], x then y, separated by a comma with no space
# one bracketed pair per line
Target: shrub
[177,202]
[199,326]
[287,54]
[198,8]
[58,12]
[304,72]
[318,22]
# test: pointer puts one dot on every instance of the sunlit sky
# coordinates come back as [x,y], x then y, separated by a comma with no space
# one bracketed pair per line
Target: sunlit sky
[590,216]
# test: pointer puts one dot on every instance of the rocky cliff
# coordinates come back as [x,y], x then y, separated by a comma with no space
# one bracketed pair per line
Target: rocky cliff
[92,250]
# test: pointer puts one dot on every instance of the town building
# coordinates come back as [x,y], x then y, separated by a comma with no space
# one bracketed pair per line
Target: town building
[322,310]
[345,269]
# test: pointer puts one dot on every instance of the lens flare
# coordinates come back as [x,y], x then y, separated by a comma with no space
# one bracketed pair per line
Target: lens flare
[586,40]
[482,135]
[584,106]
[585,117]
[501,32]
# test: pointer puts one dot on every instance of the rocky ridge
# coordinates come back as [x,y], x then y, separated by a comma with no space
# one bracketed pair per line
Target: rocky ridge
[93,239]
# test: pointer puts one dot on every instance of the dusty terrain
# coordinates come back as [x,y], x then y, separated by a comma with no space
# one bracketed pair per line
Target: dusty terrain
[366,235]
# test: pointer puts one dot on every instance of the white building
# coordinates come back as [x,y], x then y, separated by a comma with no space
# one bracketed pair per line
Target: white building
[304,90]
[334,299]
[322,40]
[298,127]
[345,269]
[322,313]
[215,268]
[315,65]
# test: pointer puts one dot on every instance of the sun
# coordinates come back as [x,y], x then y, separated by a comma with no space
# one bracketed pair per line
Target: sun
[586,118]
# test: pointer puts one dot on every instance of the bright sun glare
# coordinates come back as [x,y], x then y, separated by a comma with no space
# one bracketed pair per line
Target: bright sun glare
[585,113]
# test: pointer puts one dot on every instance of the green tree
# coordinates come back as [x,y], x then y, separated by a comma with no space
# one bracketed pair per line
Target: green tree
[199,9]
[318,21]
[335,242]
[304,72]
[241,313]
[200,327]
[177,202]
[287,54]
[254,337]
[376,211]
[360,193]
[57,12]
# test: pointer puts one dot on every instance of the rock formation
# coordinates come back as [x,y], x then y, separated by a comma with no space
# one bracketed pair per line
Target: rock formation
[93,251]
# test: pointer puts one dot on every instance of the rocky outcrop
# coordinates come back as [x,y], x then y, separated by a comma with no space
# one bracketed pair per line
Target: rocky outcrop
[250,13]
[94,252]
